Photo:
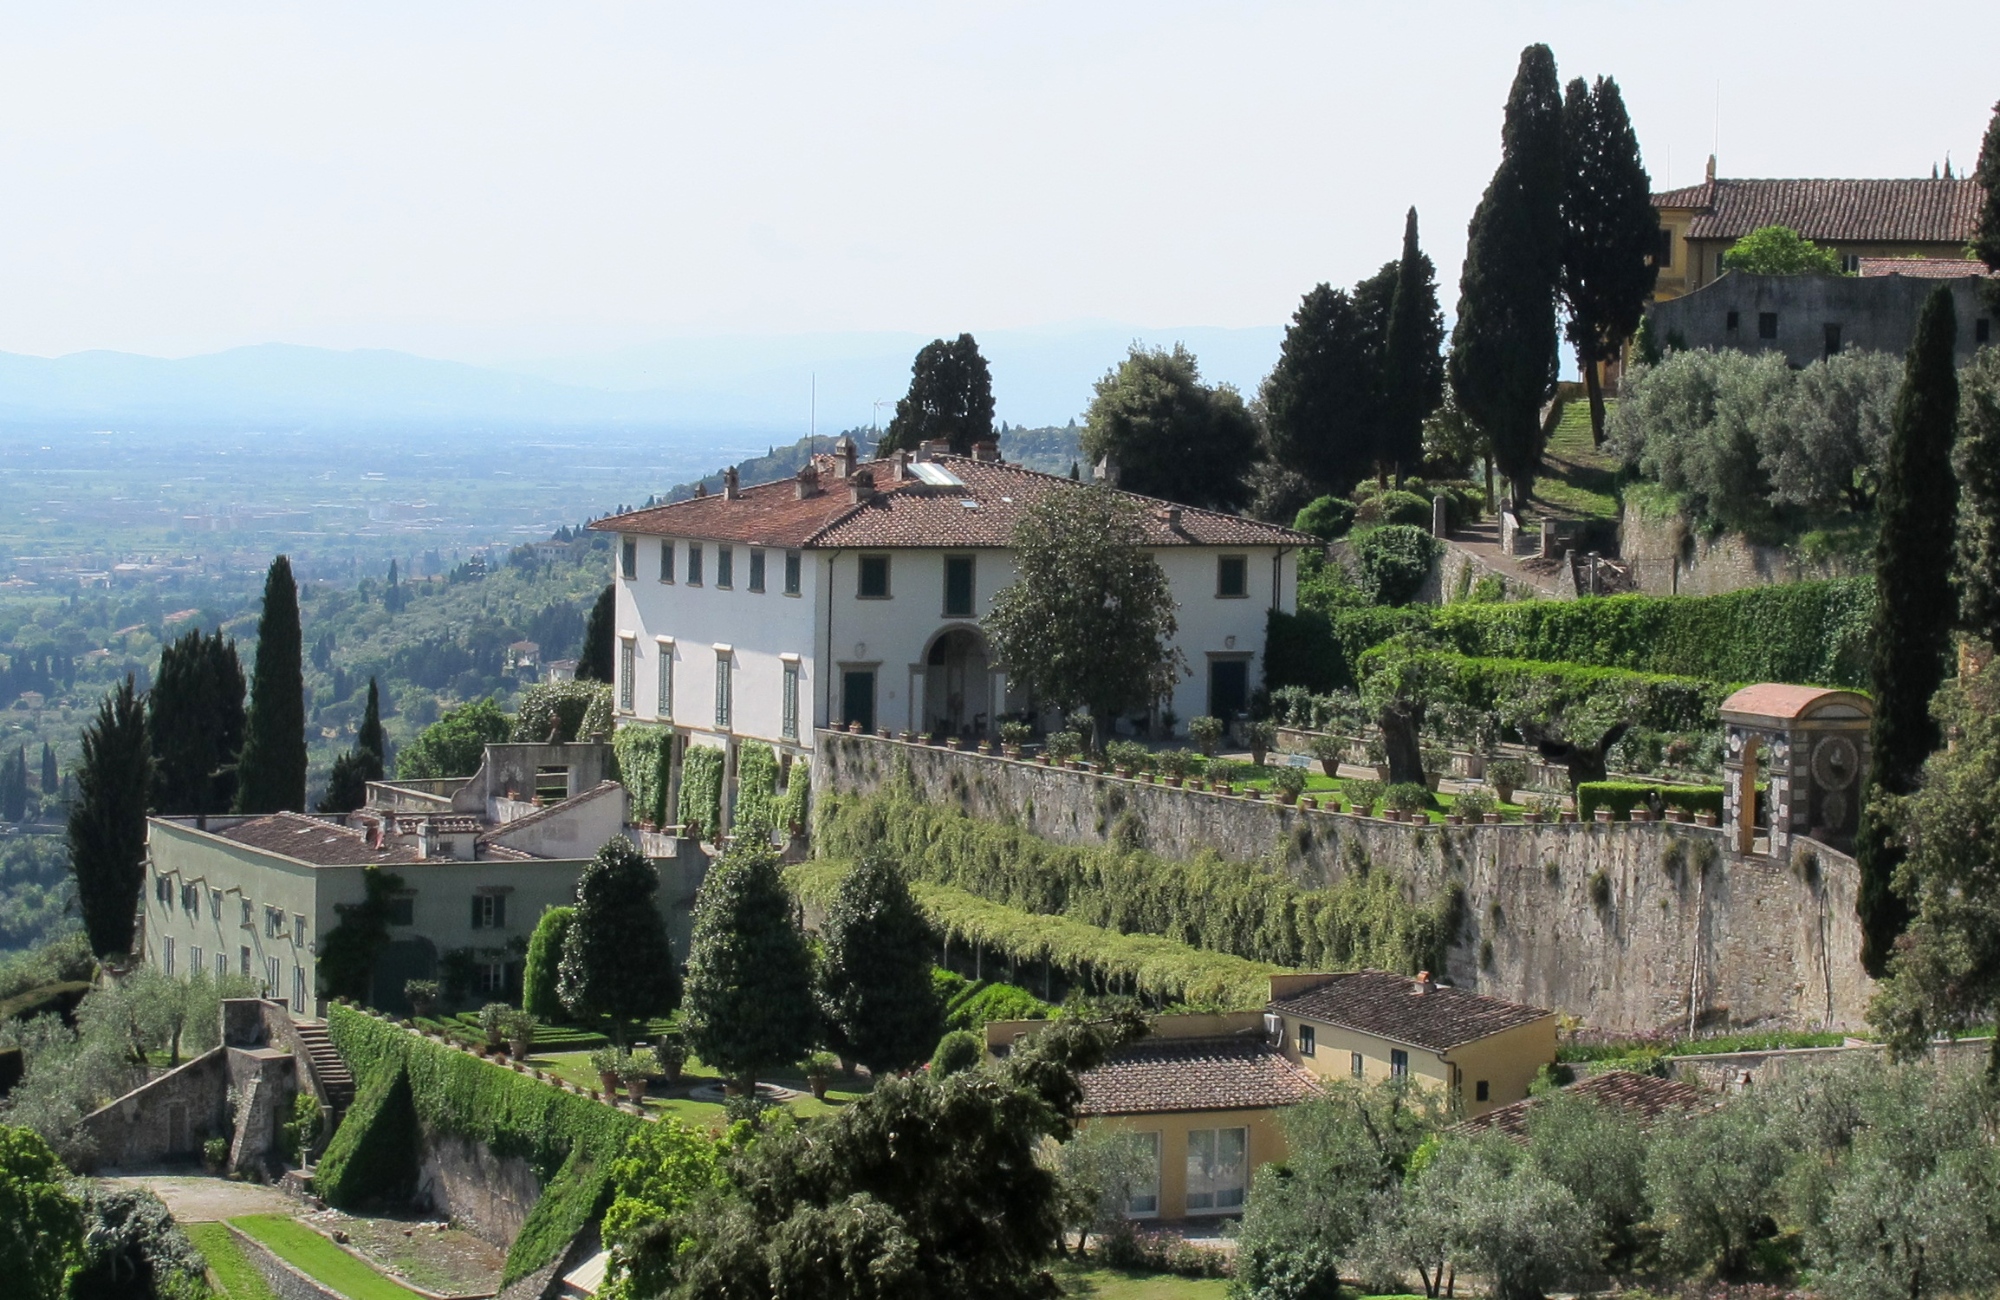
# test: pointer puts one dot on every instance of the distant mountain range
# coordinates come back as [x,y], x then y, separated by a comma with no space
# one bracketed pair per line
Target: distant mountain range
[743,388]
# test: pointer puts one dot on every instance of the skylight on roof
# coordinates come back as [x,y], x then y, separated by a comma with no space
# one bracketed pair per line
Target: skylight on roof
[936,475]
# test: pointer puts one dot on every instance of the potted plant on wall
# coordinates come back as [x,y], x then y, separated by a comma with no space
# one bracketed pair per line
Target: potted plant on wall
[491,1018]
[1506,775]
[1327,749]
[670,1054]
[423,996]
[519,1027]
[1013,735]
[819,1072]
[1062,747]
[1206,733]
[635,1071]
[605,1061]
[1263,737]
[1290,783]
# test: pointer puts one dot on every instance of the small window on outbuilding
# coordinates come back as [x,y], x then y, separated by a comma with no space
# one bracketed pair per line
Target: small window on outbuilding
[1832,339]
[1733,321]
[1482,1091]
[791,573]
[1307,1040]
[1663,257]
[1399,1063]
[1982,330]
[1232,575]
[1767,325]
[1355,1064]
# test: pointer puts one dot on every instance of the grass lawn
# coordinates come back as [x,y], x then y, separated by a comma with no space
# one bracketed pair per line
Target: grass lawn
[574,1067]
[313,1254]
[1117,1284]
[1578,481]
[236,1276]
[1318,783]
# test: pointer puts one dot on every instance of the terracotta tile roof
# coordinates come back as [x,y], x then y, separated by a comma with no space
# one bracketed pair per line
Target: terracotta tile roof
[310,839]
[1181,1074]
[1783,700]
[1890,211]
[980,511]
[1388,1006]
[1923,268]
[1644,1096]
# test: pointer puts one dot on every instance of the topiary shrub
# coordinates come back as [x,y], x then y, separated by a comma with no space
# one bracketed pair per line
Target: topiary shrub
[1623,796]
[373,1155]
[1394,561]
[1327,518]
[1395,507]
[961,1049]
[544,964]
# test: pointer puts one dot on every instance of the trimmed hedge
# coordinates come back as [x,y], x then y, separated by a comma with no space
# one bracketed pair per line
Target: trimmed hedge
[1621,797]
[1653,700]
[1318,650]
[756,787]
[645,765]
[701,789]
[569,1140]
[1248,910]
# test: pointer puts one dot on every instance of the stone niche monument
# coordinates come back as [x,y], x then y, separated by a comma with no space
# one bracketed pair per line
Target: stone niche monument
[1811,745]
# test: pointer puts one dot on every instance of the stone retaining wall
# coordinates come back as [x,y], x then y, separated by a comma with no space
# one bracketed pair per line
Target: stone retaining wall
[1686,932]
[287,1282]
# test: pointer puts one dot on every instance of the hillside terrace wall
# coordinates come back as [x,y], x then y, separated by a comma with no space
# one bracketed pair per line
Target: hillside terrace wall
[1745,941]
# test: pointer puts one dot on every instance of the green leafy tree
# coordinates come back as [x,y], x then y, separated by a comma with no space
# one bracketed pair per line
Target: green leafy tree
[107,822]
[667,1169]
[41,1223]
[1320,398]
[1089,619]
[563,711]
[196,719]
[1508,1222]
[875,991]
[133,1250]
[1977,460]
[1169,435]
[749,1003]
[950,400]
[594,663]
[1503,355]
[1915,607]
[616,960]
[454,745]
[1779,250]
[1598,1153]
[1986,235]
[14,785]
[1713,1180]
[1412,356]
[271,773]
[1100,1169]
[1611,232]
[540,990]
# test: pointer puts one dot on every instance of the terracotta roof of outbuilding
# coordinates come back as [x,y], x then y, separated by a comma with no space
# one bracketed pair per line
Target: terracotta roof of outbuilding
[1923,268]
[1784,700]
[310,839]
[1890,211]
[1643,1096]
[1389,1006]
[1191,1074]
[980,512]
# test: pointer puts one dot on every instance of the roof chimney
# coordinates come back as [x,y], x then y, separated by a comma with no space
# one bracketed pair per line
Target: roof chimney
[843,455]
[730,489]
[902,466]
[861,486]
[808,481]
[700,490]
[987,450]
[932,448]
[1711,169]
[1174,518]
[1423,983]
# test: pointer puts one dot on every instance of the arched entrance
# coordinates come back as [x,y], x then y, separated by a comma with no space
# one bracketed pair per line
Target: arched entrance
[957,687]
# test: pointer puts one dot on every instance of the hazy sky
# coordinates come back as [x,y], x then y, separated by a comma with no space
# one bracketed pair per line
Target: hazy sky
[485,181]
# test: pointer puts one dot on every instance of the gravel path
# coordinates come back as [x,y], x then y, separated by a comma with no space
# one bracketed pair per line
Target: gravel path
[196,1199]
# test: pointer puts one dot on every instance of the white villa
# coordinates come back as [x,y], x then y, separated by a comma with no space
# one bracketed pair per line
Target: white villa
[852,593]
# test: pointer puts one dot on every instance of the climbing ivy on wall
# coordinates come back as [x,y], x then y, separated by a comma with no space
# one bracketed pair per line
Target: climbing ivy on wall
[701,788]
[795,806]
[756,789]
[645,765]
[1248,910]
[568,1139]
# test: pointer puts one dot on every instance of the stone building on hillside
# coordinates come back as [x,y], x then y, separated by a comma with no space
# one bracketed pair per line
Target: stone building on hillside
[1811,317]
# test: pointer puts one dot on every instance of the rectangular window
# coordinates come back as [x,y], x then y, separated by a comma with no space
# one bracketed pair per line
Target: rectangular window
[1215,1168]
[402,911]
[958,586]
[1851,263]
[1355,1064]
[244,969]
[1663,257]
[1733,321]
[694,564]
[666,561]
[1399,1063]
[246,919]
[163,891]
[722,692]
[791,573]
[273,972]
[298,930]
[221,966]
[195,964]
[665,707]
[756,569]
[789,723]
[1482,1091]
[1232,575]
[628,655]
[1767,325]
[489,911]
[628,557]
[1308,1040]
[274,923]
[857,698]
[167,955]
[215,904]
[493,977]
[1982,330]
[874,577]
[1832,339]
[725,566]
[191,899]
[1718,266]
[298,988]
[1143,1201]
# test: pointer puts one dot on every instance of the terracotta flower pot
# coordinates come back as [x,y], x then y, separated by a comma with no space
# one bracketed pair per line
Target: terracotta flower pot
[1601,815]
[1287,798]
[817,1082]
[1492,819]
[1010,751]
[853,728]
[1176,782]
[635,1091]
[608,1084]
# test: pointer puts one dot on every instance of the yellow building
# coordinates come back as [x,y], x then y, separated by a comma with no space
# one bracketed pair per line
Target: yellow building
[1372,1025]
[1856,218]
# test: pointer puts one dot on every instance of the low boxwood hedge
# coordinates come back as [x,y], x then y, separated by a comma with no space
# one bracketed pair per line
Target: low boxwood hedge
[1621,797]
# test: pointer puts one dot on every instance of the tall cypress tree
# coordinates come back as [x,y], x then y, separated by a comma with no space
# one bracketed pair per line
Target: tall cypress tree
[49,782]
[14,786]
[1503,355]
[1986,235]
[370,736]
[347,783]
[195,718]
[1915,607]
[1412,357]
[271,774]
[1611,232]
[594,663]
[107,823]
[1319,397]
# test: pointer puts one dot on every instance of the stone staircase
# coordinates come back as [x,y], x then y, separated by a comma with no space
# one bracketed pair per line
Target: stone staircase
[327,1067]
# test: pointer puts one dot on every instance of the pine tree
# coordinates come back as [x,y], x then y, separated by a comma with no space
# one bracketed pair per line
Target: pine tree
[49,782]
[107,822]
[950,399]
[749,1000]
[1319,397]
[875,989]
[1412,357]
[271,773]
[196,720]
[1986,235]
[616,960]
[1611,232]
[1503,356]
[594,664]
[1915,607]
